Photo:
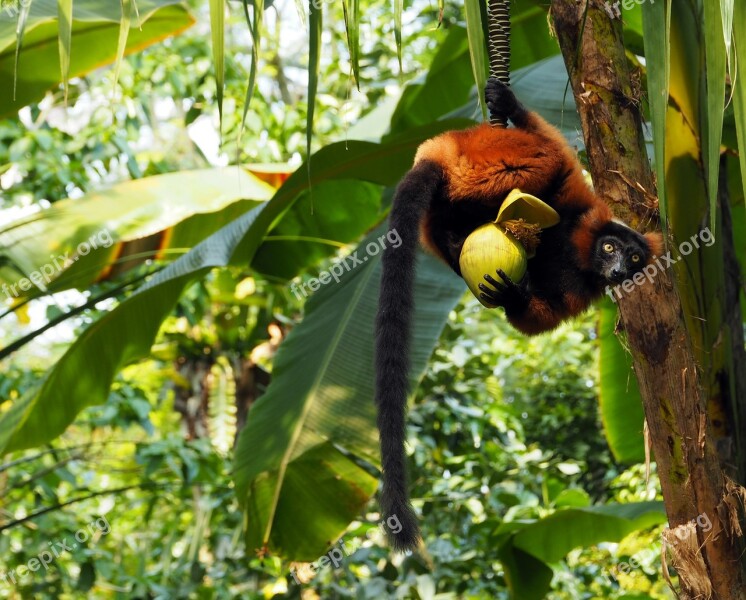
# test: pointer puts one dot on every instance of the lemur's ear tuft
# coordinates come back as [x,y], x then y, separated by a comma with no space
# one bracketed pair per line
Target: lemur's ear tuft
[655,241]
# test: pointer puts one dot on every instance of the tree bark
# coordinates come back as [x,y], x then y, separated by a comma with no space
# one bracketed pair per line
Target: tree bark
[709,563]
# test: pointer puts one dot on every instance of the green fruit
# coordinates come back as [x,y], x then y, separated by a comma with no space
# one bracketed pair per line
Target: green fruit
[487,249]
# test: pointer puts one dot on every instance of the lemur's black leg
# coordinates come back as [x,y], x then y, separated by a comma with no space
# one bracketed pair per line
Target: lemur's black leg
[503,104]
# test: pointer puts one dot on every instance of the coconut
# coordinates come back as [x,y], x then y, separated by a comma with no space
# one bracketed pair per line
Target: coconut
[507,243]
[487,249]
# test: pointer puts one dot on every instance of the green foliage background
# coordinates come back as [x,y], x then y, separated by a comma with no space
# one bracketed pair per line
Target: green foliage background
[519,493]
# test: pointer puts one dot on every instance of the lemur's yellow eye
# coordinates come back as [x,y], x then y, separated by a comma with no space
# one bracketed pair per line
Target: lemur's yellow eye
[635,258]
[608,247]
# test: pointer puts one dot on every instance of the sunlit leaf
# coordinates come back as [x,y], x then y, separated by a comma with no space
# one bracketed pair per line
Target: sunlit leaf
[527,550]
[314,56]
[95,30]
[23,11]
[65,18]
[255,28]
[727,10]
[124,29]
[550,539]
[715,57]
[217,29]
[656,26]
[351,10]
[114,229]
[739,96]
[398,9]
[477,48]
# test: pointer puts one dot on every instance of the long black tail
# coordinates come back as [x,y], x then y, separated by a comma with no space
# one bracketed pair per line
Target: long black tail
[393,333]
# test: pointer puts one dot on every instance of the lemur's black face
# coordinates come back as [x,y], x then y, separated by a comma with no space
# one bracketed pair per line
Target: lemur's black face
[619,253]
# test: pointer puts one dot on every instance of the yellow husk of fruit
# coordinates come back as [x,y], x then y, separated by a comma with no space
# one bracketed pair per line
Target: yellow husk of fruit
[507,243]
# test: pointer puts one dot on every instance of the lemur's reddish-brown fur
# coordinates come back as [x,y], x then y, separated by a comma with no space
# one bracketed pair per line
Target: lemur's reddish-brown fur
[458,182]
[488,161]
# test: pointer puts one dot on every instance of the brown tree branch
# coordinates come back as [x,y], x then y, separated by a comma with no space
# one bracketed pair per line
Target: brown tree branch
[692,480]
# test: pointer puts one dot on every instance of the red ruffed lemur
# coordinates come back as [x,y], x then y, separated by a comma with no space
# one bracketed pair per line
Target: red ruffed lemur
[458,182]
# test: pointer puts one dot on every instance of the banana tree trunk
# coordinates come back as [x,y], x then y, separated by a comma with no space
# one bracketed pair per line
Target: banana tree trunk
[701,501]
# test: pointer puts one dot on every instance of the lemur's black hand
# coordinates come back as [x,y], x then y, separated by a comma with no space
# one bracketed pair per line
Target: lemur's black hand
[502,102]
[512,296]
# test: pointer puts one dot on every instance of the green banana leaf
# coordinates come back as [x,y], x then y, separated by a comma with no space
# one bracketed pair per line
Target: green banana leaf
[475,33]
[446,86]
[543,87]
[530,38]
[303,484]
[739,99]
[333,214]
[657,48]
[126,333]
[333,171]
[95,33]
[714,103]
[620,402]
[700,274]
[128,223]
[83,376]
[527,549]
